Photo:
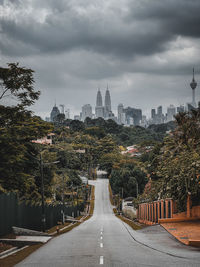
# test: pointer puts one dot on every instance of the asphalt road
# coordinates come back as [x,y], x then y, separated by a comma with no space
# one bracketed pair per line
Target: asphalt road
[106,240]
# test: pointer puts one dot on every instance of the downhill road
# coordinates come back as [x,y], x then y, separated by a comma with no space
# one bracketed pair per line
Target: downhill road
[106,240]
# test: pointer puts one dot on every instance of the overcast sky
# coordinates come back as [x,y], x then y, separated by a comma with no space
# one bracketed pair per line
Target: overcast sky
[143,49]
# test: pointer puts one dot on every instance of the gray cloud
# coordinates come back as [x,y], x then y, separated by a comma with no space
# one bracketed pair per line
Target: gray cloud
[180,17]
[144,50]
[65,27]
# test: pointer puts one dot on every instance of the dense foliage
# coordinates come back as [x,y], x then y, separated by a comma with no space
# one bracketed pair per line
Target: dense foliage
[171,162]
[174,166]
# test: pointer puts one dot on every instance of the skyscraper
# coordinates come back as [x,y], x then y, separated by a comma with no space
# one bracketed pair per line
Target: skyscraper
[99,102]
[55,111]
[133,115]
[121,114]
[67,113]
[107,107]
[86,111]
[153,113]
[171,111]
[99,109]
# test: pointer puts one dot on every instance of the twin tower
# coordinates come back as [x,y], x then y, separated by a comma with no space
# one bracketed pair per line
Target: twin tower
[103,111]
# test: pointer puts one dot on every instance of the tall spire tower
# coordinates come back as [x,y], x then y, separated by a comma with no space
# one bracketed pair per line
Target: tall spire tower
[99,102]
[193,85]
[99,109]
[107,100]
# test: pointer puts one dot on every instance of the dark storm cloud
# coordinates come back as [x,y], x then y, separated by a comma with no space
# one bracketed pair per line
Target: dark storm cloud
[180,17]
[140,47]
[65,28]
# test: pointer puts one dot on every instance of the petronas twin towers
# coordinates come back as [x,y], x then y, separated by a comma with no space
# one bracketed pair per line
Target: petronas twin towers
[103,111]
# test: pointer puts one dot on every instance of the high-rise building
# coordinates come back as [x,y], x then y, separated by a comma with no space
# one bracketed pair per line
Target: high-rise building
[77,117]
[181,108]
[153,113]
[193,85]
[99,101]
[144,122]
[159,115]
[47,119]
[107,107]
[99,109]
[135,114]
[159,111]
[171,111]
[55,111]
[121,114]
[86,111]
[67,113]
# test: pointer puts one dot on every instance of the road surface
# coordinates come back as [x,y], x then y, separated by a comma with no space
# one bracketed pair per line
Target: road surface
[106,240]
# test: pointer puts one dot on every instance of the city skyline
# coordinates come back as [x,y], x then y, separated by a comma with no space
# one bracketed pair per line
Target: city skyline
[144,50]
[126,115]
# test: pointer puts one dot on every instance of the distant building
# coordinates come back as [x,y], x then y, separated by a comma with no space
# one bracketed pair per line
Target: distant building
[55,111]
[153,113]
[77,117]
[47,119]
[107,106]
[67,113]
[180,109]
[133,115]
[171,112]
[46,140]
[144,122]
[190,107]
[121,114]
[99,109]
[159,111]
[159,115]
[86,112]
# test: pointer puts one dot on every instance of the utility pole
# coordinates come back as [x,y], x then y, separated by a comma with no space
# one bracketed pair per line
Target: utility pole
[41,166]
[72,199]
[42,193]
[136,188]
[63,201]
[77,201]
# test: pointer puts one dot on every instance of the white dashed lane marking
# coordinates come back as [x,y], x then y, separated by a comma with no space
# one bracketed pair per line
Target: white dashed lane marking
[101,245]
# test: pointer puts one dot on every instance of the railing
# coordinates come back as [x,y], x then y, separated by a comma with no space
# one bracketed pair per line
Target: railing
[150,213]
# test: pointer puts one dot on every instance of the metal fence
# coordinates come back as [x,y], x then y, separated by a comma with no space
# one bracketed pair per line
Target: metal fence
[20,214]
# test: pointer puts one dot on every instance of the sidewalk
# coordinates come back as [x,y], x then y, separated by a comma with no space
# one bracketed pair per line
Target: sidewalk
[157,238]
[187,232]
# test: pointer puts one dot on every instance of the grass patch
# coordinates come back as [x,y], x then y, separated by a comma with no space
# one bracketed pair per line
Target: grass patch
[92,200]
[110,194]
[4,247]
[129,222]
[19,256]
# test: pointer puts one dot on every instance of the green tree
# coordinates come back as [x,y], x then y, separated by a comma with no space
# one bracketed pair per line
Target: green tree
[18,82]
